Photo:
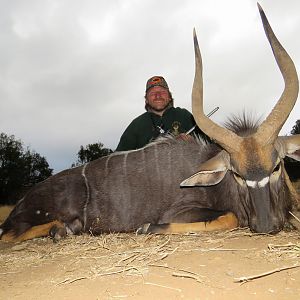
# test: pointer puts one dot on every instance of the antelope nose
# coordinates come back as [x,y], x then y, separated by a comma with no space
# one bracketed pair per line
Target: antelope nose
[265,228]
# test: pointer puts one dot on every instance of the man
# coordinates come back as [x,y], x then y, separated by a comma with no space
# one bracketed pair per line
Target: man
[160,117]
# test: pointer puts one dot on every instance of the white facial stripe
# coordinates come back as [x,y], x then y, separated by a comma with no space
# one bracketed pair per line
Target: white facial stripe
[251,183]
[261,183]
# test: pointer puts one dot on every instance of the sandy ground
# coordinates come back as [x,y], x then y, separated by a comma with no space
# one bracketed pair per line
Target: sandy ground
[230,265]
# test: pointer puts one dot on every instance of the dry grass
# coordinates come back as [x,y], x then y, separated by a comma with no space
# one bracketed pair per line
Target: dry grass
[129,254]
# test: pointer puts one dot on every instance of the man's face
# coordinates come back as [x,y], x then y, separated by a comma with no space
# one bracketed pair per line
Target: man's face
[158,98]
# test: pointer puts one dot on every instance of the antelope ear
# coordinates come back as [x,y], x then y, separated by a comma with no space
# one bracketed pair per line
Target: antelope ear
[211,172]
[288,146]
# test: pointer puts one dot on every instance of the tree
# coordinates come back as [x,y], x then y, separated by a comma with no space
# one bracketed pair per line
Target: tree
[91,152]
[296,128]
[293,166]
[20,169]
[36,168]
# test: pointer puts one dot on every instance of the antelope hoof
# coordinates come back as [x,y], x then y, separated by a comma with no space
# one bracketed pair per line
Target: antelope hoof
[57,233]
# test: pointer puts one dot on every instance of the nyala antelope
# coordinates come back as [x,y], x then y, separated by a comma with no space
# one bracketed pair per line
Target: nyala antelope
[173,186]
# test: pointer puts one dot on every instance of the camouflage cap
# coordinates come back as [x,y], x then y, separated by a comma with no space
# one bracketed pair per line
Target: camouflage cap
[156,81]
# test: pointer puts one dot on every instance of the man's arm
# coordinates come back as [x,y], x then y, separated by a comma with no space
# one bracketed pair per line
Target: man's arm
[128,139]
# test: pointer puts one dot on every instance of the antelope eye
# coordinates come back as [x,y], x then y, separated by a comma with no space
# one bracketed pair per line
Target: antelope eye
[238,177]
[277,168]
[236,174]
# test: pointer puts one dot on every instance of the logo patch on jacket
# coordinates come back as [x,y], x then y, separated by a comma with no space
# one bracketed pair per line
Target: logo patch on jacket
[175,128]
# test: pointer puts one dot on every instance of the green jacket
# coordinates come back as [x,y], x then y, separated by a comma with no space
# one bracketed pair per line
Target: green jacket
[147,126]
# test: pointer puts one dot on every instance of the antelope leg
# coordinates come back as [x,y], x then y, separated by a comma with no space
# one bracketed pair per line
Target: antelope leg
[225,222]
[33,232]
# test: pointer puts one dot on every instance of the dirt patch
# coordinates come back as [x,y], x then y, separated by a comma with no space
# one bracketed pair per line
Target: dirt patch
[126,266]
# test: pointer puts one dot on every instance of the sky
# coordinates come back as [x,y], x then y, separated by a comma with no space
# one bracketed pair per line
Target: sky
[74,72]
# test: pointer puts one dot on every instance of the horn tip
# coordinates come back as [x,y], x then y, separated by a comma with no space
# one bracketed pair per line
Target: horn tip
[262,13]
[195,38]
[259,6]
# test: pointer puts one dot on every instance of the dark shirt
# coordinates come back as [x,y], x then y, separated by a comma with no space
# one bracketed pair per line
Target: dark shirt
[149,126]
